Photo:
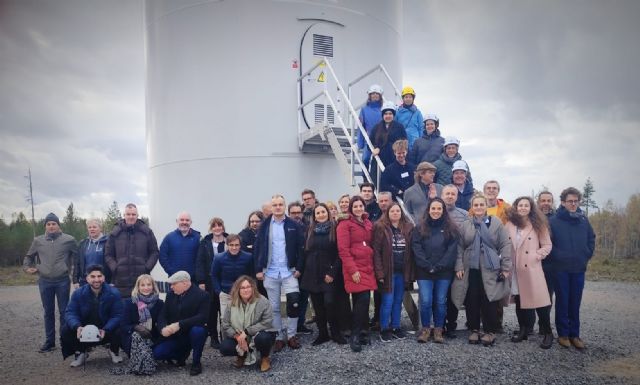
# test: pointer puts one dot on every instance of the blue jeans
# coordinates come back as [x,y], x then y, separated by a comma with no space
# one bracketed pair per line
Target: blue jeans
[178,347]
[428,290]
[391,304]
[568,289]
[49,290]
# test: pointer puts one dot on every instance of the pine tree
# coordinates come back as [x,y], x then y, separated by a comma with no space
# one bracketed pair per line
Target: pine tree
[112,216]
[587,196]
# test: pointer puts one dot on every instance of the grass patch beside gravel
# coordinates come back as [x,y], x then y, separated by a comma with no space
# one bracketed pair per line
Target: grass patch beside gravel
[15,276]
[610,269]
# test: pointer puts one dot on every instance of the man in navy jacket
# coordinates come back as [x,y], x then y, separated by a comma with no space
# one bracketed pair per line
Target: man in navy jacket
[229,266]
[179,248]
[97,304]
[279,260]
[573,246]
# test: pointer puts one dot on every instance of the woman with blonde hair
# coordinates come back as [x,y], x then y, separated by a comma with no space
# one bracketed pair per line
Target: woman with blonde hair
[139,332]
[246,323]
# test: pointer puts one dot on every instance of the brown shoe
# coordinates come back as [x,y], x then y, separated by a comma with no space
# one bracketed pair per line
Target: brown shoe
[474,337]
[437,336]
[488,339]
[564,342]
[279,346]
[293,343]
[265,364]
[239,362]
[424,335]
[577,342]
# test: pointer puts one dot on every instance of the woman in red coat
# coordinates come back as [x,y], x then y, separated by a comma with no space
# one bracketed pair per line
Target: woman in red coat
[354,248]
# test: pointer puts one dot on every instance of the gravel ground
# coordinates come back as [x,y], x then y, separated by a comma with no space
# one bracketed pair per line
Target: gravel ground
[610,319]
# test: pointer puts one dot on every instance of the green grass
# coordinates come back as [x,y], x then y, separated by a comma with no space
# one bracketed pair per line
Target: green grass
[15,276]
[618,269]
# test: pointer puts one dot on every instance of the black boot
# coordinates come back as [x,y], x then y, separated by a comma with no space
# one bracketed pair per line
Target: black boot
[523,334]
[355,343]
[547,341]
[336,336]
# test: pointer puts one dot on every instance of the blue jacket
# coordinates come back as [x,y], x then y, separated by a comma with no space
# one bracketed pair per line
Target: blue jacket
[427,148]
[109,309]
[397,177]
[89,253]
[573,241]
[464,197]
[411,118]
[179,252]
[370,115]
[226,268]
[294,239]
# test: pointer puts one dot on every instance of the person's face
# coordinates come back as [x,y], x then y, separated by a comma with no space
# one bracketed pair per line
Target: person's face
[93,229]
[296,213]
[571,203]
[401,156]
[277,207]
[320,214]
[375,97]
[523,208]
[435,210]
[407,99]
[145,287]
[180,287]
[387,116]
[344,204]
[451,150]
[384,201]
[184,222]
[430,125]
[426,176]
[333,211]
[217,229]
[234,247]
[309,201]
[51,227]
[357,208]
[95,279]
[266,209]
[254,222]
[479,207]
[545,202]
[491,190]
[449,196]
[366,193]
[459,177]
[246,291]
[130,215]
[395,213]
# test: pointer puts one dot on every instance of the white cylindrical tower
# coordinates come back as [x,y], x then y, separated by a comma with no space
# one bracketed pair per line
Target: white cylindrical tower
[222,124]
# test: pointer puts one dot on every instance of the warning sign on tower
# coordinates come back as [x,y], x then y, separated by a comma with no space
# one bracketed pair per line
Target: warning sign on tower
[321,77]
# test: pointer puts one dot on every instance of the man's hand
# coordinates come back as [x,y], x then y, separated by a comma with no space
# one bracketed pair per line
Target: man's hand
[31,270]
[201,286]
[260,276]
[78,331]
[296,274]
[101,332]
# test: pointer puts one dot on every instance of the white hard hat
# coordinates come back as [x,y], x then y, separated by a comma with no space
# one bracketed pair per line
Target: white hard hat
[388,106]
[375,88]
[90,333]
[433,117]
[460,165]
[451,140]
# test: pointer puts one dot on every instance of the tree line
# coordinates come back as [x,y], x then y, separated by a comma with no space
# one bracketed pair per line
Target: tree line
[617,228]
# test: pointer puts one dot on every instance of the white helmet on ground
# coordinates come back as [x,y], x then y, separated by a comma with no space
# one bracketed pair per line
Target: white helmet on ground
[90,333]
[375,88]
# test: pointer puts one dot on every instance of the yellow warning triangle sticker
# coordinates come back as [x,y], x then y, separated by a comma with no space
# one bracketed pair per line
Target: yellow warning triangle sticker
[321,78]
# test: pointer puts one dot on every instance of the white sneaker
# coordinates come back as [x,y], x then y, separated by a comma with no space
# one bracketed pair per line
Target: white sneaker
[79,360]
[115,358]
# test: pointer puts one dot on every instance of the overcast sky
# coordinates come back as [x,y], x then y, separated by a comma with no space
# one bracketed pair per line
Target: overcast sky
[539,93]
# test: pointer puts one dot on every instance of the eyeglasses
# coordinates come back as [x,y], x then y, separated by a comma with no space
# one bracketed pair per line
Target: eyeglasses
[295,212]
[572,202]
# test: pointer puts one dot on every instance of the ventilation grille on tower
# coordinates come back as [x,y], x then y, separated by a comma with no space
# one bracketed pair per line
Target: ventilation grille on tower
[319,113]
[322,45]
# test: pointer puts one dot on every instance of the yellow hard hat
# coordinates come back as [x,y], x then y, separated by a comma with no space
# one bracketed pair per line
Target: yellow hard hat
[408,90]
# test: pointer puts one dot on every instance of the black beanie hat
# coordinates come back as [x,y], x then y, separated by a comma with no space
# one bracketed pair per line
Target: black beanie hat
[51,217]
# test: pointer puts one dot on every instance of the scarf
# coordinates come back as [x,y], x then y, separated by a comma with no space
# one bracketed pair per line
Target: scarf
[483,246]
[241,318]
[144,304]
[322,228]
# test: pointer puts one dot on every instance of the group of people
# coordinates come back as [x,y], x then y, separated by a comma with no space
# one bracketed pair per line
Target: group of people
[465,249]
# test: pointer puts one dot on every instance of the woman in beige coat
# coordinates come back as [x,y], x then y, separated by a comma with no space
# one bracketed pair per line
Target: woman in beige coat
[529,236]
[482,270]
